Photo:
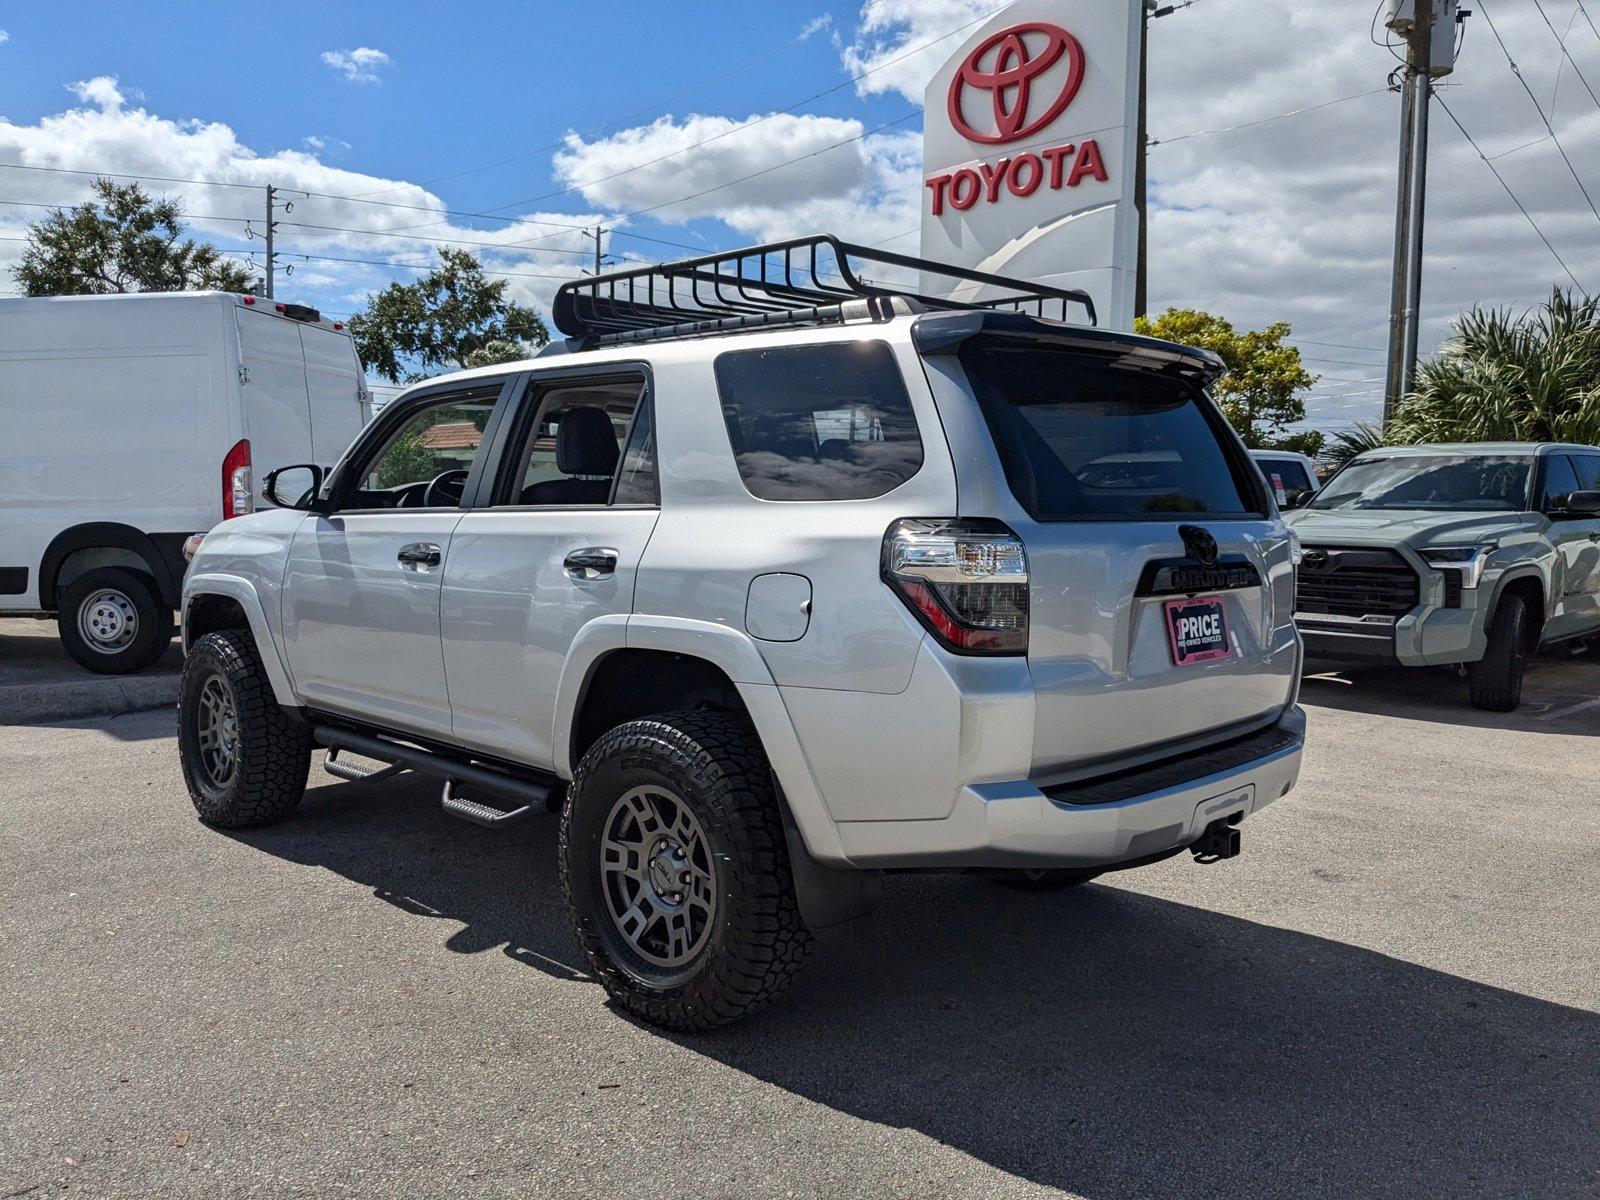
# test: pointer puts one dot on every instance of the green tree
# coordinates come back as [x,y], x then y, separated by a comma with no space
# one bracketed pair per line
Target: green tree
[454,316]
[1534,377]
[1261,391]
[125,241]
[1344,445]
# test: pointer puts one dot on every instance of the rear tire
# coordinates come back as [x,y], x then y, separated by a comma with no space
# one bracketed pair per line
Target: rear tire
[1495,680]
[676,872]
[1045,879]
[245,762]
[112,622]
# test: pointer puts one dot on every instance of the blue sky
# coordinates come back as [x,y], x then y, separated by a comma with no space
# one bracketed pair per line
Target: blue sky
[1272,183]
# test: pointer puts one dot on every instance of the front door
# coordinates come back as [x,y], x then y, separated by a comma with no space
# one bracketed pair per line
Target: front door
[1577,571]
[361,592]
[557,546]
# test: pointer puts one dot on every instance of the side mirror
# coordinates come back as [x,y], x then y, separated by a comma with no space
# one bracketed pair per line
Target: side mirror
[1582,504]
[293,487]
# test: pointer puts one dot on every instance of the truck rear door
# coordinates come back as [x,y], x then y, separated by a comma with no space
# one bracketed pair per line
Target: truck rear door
[277,409]
[339,405]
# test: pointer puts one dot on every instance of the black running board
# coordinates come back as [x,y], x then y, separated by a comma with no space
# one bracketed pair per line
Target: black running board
[527,794]
[358,774]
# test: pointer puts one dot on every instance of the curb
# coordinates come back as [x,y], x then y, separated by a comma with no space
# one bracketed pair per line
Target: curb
[42,703]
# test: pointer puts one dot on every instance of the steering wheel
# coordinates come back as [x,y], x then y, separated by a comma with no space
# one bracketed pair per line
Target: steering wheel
[445,489]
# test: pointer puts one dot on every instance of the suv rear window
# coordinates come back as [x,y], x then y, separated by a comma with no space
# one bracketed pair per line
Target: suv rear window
[829,422]
[1081,438]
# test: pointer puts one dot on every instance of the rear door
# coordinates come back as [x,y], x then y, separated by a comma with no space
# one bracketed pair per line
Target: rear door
[1160,590]
[1574,580]
[556,546]
[337,399]
[277,411]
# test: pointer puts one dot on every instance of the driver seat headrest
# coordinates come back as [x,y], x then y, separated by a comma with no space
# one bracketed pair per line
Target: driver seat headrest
[586,442]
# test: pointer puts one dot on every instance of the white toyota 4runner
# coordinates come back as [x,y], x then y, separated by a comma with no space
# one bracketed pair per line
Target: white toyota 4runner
[771,579]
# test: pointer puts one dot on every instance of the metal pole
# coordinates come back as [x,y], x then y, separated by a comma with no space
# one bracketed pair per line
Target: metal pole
[1394,372]
[1422,85]
[272,266]
[1141,271]
[1406,297]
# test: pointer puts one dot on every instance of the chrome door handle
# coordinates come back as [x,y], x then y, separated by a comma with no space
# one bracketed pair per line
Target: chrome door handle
[592,562]
[419,556]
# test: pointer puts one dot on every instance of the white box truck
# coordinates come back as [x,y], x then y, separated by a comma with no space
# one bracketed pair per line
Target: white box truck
[128,423]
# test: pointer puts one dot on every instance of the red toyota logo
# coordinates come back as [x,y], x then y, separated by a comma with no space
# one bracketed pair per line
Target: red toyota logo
[1009,79]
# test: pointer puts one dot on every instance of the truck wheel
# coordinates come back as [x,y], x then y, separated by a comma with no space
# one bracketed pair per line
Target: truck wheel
[112,622]
[1045,879]
[676,872]
[1495,680]
[245,762]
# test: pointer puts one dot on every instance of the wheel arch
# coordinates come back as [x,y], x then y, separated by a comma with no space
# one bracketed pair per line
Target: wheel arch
[645,659]
[215,601]
[1530,585]
[94,544]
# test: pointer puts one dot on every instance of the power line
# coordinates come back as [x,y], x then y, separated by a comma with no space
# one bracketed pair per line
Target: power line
[1520,207]
[1589,19]
[1517,71]
[1293,112]
[1562,42]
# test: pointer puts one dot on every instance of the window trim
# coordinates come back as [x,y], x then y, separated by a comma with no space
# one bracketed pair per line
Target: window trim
[911,408]
[394,416]
[523,417]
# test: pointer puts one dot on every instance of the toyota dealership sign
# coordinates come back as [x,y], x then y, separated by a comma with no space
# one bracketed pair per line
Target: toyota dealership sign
[1029,151]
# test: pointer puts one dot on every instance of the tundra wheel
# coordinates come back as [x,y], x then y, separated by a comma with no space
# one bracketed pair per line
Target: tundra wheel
[112,622]
[1495,680]
[676,872]
[245,762]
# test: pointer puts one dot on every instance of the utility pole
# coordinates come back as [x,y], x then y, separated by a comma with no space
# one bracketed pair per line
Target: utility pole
[1429,30]
[1141,269]
[272,263]
[599,259]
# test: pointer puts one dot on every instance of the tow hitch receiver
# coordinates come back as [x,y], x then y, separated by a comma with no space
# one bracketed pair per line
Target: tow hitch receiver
[1219,841]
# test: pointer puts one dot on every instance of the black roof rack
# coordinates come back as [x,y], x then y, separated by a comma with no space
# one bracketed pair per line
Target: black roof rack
[806,280]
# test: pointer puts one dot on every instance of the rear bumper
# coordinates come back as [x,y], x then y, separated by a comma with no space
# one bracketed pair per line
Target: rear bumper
[1015,824]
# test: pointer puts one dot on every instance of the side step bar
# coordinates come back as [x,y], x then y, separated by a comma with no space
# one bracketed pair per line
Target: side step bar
[356,774]
[525,793]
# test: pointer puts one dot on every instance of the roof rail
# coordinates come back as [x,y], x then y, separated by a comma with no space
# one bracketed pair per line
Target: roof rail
[805,280]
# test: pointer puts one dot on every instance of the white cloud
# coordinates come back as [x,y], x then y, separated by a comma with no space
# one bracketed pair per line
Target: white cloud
[903,42]
[105,135]
[101,91]
[321,144]
[4,37]
[360,65]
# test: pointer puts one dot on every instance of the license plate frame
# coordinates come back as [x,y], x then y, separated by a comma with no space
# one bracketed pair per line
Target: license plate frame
[1197,645]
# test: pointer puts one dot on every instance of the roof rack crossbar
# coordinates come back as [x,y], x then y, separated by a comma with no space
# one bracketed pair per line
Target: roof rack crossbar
[806,279]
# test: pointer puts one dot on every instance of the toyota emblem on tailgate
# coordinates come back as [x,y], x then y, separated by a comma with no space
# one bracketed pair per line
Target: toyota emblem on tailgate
[1199,543]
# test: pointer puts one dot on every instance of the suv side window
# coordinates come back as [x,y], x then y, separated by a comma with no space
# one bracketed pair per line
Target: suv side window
[1560,480]
[1287,477]
[586,438]
[437,443]
[830,422]
[1588,468]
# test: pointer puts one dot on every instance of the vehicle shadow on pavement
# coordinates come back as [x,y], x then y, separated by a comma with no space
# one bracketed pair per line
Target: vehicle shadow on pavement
[1114,1044]
[1099,1040]
[1558,695]
[501,886]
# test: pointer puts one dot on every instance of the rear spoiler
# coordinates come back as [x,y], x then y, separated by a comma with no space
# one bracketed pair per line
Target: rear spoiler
[944,333]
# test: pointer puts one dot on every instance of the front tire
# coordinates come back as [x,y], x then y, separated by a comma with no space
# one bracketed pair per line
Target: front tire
[112,622]
[676,872]
[245,762]
[1495,681]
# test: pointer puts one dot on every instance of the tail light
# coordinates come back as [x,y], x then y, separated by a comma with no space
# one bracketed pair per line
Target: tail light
[966,580]
[237,497]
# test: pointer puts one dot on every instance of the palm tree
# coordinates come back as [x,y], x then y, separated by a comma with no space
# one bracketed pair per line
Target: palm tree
[1535,377]
[1344,445]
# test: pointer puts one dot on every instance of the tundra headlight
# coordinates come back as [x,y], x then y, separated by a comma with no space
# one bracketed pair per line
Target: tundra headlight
[1468,560]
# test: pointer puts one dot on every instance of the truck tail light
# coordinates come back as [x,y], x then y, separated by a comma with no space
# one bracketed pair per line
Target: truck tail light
[237,496]
[965,579]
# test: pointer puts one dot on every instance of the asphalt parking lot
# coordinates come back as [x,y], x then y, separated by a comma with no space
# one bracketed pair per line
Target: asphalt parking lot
[1392,992]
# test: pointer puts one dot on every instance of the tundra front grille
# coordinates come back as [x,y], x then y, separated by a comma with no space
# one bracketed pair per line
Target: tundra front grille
[1355,583]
